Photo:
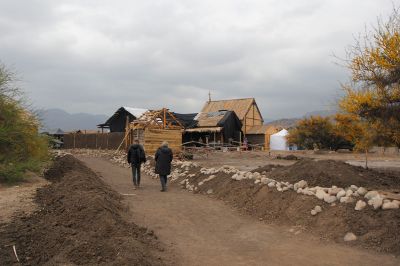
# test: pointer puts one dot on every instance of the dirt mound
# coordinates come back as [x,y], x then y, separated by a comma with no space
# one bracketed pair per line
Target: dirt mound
[80,221]
[287,157]
[376,229]
[61,166]
[326,173]
[267,168]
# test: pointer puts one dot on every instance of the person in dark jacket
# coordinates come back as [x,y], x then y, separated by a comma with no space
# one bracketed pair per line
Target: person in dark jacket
[136,157]
[163,159]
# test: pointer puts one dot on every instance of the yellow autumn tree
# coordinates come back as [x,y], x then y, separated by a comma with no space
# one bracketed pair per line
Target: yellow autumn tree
[372,98]
[355,130]
[318,132]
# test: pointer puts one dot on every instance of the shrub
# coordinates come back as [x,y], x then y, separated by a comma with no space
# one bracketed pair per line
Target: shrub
[21,146]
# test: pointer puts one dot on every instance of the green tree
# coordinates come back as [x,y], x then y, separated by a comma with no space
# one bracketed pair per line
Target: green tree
[21,146]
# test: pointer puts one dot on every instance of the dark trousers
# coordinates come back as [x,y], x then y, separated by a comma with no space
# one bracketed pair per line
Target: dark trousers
[163,179]
[136,174]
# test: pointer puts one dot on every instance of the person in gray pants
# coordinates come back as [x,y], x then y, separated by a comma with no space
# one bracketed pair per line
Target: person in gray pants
[163,159]
[136,156]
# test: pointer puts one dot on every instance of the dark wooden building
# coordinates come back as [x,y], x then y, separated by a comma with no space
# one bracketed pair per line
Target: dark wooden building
[117,122]
[214,127]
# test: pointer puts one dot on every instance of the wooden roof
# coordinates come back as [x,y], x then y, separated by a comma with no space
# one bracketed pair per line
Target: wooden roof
[209,119]
[239,106]
[262,129]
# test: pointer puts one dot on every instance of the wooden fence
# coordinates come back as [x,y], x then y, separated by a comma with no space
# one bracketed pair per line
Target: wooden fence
[93,141]
[150,138]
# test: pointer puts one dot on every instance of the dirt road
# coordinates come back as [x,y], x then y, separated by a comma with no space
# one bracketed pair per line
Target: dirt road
[18,199]
[205,231]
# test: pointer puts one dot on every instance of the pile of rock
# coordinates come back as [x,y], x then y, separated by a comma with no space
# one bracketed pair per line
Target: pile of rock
[241,175]
[185,184]
[60,153]
[331,195]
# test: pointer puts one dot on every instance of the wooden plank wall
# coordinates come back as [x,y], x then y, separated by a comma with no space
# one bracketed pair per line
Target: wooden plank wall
[252,118]
[154,137]
[93,141]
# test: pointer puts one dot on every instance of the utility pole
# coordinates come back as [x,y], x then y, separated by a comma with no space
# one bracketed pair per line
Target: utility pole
[209,96]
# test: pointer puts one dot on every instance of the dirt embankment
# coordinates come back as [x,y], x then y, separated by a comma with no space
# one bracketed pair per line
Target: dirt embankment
[327,173]
[80,221]
[375,229]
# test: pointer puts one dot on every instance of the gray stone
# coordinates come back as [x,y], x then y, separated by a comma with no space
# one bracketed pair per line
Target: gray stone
[362,191]
[371,194]
[329,199]
[360,205]
[320,194]
[350,237]
[340,194]
[390,205]
[376,202]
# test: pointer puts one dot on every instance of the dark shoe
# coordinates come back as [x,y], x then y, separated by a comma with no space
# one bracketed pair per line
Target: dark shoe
[163,190]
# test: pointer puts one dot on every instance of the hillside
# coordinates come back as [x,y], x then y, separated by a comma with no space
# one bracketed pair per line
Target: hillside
[58,118]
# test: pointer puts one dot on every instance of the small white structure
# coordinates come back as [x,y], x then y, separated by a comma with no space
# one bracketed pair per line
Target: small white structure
[278,141]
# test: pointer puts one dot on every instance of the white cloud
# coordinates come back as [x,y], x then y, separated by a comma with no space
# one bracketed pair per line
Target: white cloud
[94,56]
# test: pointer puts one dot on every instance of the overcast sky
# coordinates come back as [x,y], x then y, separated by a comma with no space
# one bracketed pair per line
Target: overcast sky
[95,56]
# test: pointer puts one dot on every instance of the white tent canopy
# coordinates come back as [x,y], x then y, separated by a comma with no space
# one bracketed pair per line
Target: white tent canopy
[278,141]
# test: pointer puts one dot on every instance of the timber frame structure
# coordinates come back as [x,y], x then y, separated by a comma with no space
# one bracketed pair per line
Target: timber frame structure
[154,127]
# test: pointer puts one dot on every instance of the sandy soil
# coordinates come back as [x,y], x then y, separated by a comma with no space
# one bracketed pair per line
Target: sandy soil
[205,231]
[18,200]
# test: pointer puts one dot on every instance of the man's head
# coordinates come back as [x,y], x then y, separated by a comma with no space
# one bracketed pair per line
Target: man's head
[164,144]
[136,140]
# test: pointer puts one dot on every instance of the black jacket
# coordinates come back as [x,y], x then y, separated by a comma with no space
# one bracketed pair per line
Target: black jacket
[136,154]
[163,159]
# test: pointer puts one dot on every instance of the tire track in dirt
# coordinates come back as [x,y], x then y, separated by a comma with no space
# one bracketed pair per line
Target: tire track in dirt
[205,231]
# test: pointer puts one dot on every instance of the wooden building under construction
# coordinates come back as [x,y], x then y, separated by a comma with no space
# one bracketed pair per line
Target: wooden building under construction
[154,127]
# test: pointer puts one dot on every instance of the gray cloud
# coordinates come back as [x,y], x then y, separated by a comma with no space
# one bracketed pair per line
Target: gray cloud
[94,56]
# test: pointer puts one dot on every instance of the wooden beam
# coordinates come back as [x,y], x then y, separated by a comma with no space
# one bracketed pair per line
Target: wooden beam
[165,118]
[179,123]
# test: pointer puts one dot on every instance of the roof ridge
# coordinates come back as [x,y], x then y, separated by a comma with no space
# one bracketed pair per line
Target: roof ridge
[249,98]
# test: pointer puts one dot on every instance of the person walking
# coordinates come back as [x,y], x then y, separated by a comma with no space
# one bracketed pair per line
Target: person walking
[163,159]
[136,156]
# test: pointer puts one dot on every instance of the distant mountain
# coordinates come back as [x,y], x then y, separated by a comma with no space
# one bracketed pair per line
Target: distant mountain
[58,118]
[285,122]
[323,113]
[291,122]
